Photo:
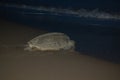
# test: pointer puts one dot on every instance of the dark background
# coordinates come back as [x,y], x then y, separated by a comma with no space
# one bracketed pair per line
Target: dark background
[109,5]
[95,37]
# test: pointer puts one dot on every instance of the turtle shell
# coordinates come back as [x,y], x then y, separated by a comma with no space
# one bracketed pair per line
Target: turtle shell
[51,41]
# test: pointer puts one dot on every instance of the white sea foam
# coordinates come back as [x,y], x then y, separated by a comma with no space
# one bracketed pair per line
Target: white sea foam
[95,13]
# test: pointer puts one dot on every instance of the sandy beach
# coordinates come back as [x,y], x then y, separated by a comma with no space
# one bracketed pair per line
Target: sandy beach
[18,64]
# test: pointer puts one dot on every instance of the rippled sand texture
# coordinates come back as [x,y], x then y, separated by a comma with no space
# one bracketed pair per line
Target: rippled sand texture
[18,64]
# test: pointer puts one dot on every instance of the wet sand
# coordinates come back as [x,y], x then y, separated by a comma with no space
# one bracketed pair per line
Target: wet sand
[18,64]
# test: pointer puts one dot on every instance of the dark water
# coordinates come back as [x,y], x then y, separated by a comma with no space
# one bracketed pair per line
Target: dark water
[95,37]
[107,5]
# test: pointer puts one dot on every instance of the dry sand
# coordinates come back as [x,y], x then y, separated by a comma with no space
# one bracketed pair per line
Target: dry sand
[17,64]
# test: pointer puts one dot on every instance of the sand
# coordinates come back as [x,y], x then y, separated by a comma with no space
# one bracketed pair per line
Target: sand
[18,64]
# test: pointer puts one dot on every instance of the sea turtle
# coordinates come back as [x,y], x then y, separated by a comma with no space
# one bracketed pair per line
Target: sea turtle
[51,42]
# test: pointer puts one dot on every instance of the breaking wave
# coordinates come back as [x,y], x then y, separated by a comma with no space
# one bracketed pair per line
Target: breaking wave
[95,13]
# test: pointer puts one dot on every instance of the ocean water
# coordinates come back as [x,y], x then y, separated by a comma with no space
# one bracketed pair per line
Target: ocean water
[96,32]
[106,5]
